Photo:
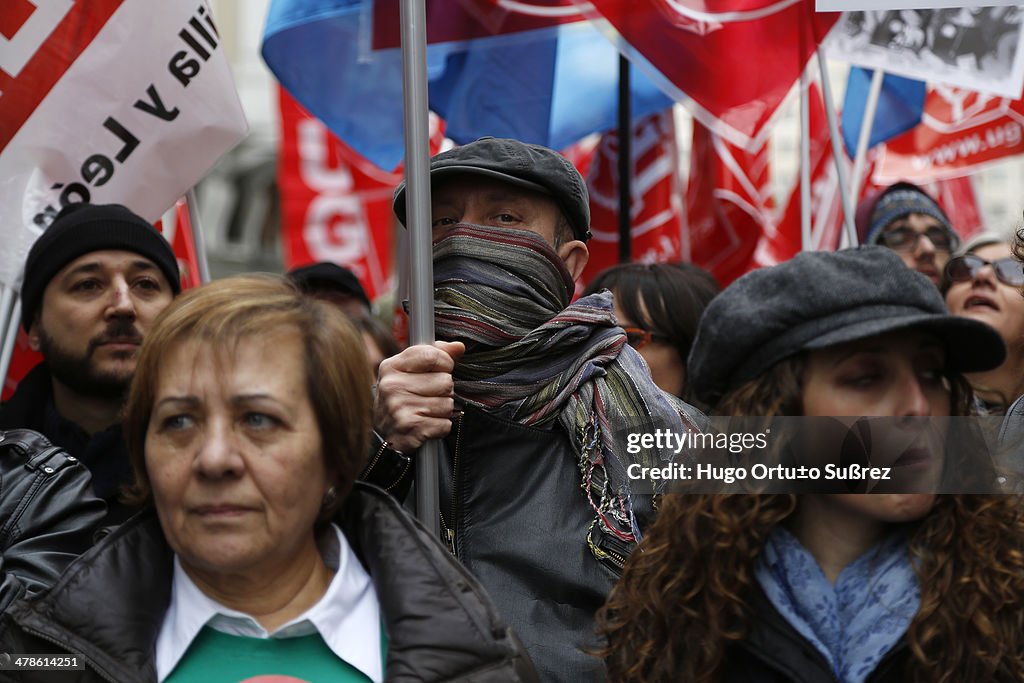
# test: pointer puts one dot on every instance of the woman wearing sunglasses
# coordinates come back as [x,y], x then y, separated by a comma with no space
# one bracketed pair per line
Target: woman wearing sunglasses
[659,306]
[985,282]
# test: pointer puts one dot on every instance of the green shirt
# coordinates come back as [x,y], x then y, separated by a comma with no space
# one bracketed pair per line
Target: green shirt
[216,657]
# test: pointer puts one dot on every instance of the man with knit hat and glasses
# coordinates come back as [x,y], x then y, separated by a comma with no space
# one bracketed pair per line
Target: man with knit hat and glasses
[537,397]
[906,219]
[93,283]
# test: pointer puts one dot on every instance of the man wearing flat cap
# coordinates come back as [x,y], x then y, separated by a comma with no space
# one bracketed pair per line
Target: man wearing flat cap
[93,283]
[906,219]
[535,397]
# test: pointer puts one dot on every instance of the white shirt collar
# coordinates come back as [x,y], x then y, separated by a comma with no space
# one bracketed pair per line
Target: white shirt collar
[347,616]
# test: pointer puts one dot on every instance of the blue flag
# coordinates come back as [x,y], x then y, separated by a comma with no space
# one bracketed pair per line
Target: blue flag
[549,86]
[900,105]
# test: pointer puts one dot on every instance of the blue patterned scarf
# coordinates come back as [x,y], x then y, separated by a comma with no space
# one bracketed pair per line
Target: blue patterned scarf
[856,621]
[534,358]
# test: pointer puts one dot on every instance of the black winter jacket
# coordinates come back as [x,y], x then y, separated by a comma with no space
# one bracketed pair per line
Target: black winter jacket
[105,453]
[774,652]
[47,513]
[109,605]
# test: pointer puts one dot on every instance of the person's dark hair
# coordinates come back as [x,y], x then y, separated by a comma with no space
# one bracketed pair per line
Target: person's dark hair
[224,312]
[664,298]
[1018,246]
[682,600]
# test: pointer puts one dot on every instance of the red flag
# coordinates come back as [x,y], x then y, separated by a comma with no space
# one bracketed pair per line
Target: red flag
[735,62]
[956,197]
[728,204]
[655,213]
[22,360]
[785,240]
[176,226]
[961,131]
[458,20]
[335,205]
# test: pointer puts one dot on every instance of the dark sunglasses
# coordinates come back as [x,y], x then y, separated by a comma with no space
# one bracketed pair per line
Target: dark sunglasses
[965,268]
[638,337]
[905,239]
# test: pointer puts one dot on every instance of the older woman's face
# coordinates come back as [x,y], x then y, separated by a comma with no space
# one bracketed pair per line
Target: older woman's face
[984,297]
[233,452]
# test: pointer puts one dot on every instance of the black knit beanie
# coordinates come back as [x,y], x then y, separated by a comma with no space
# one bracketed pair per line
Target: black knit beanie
[83,228]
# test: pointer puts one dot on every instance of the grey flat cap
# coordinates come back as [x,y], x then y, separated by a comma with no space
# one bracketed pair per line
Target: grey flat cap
[820,299]
[532,167]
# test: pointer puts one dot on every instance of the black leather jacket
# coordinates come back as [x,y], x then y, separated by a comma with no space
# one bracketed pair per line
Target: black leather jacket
[110,604]
[47,513]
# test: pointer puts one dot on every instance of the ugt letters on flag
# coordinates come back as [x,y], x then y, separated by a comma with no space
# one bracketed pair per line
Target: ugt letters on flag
[126,101]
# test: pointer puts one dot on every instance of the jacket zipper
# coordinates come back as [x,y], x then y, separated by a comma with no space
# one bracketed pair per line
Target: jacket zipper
[618,560]
[456,491]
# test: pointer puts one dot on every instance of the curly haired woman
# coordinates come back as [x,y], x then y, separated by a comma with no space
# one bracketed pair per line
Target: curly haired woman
[843,587]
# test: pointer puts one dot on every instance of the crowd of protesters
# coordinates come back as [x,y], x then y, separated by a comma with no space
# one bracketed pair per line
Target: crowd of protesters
[209,485]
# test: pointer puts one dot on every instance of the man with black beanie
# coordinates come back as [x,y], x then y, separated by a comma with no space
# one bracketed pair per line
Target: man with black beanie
[93,284]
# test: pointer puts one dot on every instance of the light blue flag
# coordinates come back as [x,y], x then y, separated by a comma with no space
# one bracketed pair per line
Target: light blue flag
[549,86]
[900,105]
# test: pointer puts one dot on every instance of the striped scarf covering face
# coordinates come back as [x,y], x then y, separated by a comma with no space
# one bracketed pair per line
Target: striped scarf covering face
[534,358]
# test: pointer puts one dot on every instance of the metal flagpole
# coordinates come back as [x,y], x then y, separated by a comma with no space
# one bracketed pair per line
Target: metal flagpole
[625,164]
[10,312]
[197,235]
[866,124]
[6,297]
[838,154]
[805,163]
[417,198]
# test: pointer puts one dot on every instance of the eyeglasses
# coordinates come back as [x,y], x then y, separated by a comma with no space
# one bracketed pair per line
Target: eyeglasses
[965,268]
[905,239]
[638,337]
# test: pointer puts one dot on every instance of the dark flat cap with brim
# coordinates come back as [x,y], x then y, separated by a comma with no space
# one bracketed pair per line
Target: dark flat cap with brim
[821,299]
[532,167]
